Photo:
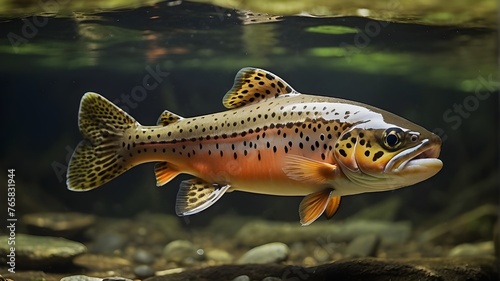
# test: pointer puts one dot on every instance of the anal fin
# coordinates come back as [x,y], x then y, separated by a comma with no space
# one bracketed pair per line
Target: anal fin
[307,170]
[332,206]
[313,205]
[196,195]
[164,173]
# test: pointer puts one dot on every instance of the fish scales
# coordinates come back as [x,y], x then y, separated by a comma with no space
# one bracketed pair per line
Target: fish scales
[272,140]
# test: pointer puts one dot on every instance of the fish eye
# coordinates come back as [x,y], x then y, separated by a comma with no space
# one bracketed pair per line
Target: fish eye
[393,138]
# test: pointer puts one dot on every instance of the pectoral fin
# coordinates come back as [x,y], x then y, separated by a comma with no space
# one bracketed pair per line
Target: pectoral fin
[313,205]
[332,206]
[196,195]
[164,173]
[307,170]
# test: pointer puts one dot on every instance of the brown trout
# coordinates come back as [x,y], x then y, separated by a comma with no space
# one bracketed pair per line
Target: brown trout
[272,140]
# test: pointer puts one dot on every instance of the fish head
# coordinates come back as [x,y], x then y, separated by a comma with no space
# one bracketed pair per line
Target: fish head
[388,156]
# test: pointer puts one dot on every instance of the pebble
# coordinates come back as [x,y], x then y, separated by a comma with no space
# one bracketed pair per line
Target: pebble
[363,246]
[182,251]
[65,225]
[219,255]
[144,271]
[80,278]
[471,250]
[88,278]
[270,278]
[242,278]
[40,252]
[267,253]
[143,257]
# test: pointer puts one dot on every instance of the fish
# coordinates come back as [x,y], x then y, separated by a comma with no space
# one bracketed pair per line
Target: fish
[271,140]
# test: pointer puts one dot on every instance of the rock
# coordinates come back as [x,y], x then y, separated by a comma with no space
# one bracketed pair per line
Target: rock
[88,278]
[182,251]
[40,252]
[67,225]
[259,232]
[271,279]
[101,263]
[242,278]
[80,278]
[116,278]
[372,269]
[267,253]
[321,254]
[143,271]
[470,250]
[363,246]
[143,257]
[219,256]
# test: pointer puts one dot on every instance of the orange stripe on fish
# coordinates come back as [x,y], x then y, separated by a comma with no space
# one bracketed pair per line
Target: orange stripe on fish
[272,140]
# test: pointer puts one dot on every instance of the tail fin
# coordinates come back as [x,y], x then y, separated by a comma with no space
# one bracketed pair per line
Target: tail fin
[97,158]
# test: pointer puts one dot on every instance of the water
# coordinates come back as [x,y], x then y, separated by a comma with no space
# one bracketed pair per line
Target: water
[443,77]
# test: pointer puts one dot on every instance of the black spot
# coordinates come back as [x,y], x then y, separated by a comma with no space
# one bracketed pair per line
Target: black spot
[235,155]
[280,84]
[368,144]
[367,153]
[274,149]
[346,136]
[348,145]
[269,76]
[221,153]
[286,149]
[353,140]
[377,155]
[342,152]
[323,156]
[361,135]
[301,145]
[362,142]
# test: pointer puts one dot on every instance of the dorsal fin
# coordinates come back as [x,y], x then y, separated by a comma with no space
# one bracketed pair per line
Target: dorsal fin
[253,85]
[167,118]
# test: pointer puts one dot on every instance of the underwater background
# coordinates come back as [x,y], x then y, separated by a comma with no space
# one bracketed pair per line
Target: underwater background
[434,64]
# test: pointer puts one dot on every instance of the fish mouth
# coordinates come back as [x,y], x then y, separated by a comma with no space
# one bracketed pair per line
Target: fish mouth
[420,159]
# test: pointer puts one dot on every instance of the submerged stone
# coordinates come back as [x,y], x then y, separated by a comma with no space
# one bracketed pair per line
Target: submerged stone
[182,251]
[267,253]
[65,225]
[40,252]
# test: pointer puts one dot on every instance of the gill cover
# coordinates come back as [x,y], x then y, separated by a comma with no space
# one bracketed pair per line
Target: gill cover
[369,150]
